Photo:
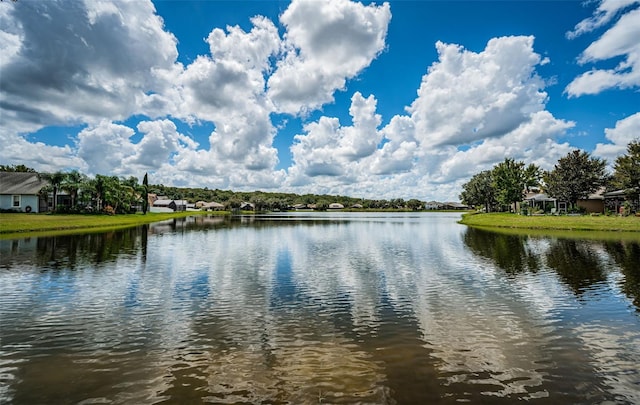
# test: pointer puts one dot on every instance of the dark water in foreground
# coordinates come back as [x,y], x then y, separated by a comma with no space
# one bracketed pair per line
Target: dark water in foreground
[324,308]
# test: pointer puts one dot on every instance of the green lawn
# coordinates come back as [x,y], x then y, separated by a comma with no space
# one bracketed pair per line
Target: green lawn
[563,222]
[18,224]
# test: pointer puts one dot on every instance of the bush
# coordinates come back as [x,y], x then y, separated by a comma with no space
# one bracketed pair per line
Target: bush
[109,210]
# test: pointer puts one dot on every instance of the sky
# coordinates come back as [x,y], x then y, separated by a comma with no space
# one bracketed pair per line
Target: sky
[398,99]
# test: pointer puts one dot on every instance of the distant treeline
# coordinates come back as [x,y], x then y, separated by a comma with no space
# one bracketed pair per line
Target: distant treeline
[274,200]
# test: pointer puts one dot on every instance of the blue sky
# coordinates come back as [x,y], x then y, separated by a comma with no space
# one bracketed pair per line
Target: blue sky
[378,100]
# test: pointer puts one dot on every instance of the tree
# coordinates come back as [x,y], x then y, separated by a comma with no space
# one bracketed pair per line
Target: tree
[414,204]
[509,181]
[72,182]
[54,179]
[575,176]
[532,176]
[145,195]
[626,174]
[17,168]
[480,191]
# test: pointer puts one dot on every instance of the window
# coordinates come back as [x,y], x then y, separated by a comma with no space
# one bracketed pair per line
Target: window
[16,200]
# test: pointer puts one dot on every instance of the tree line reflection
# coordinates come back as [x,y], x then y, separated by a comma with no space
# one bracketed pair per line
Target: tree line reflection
[580,264]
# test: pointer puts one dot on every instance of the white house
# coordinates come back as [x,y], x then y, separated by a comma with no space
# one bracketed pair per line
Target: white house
[20,192]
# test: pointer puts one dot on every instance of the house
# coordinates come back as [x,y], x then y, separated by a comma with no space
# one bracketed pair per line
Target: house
[336,206]
[593,203]
[433,205]
[166,205]
[246,206]
[454,206]
[212,206]
[20,192]
[615,200]
[541,201]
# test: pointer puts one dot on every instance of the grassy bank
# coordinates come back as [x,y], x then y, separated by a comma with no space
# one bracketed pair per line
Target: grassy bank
[569,223]
[19,224]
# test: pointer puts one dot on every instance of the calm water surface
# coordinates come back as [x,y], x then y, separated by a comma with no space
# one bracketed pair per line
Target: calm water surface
[318,308]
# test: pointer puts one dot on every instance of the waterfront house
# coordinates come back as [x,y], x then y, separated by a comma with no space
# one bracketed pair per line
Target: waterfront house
[247,206]
[541,201]
[336,206]
[594,203]
[21,192]
[615,200]
[166,205]
[433,205]
[451,205]
[212,206]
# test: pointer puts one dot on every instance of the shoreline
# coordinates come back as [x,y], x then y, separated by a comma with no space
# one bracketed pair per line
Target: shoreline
[583,223]
[18,225]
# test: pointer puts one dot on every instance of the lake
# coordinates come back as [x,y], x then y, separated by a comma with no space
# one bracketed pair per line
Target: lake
[308,308]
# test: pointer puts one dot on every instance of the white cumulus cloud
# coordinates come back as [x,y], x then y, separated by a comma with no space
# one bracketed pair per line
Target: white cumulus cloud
[74,61]
[625,131]
[326,43]
[467,96]
[621,39]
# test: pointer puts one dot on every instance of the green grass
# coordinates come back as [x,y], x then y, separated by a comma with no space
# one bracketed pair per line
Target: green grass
[18,225]
[550,222]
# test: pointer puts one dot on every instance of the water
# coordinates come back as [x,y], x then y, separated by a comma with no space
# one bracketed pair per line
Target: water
[314,308]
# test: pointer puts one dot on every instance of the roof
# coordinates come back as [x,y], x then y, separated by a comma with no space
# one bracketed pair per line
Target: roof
[539,197]
[20,183]
[166,203]
[455,204]
[616,193]
[598,195]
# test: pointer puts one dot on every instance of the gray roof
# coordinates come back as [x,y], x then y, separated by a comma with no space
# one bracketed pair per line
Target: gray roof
[540,197]
[20,183]
[166,203]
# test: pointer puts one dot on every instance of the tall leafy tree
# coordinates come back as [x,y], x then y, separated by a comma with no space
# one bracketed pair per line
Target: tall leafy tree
[509,181]
[575,176]
[627,170]
[480,190]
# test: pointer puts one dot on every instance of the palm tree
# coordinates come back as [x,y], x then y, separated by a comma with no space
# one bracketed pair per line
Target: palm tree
[71,183]
[55,180]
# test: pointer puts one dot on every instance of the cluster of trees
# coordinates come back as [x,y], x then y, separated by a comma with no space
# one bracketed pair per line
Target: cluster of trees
[574,177]
[100,193]
[278,201]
